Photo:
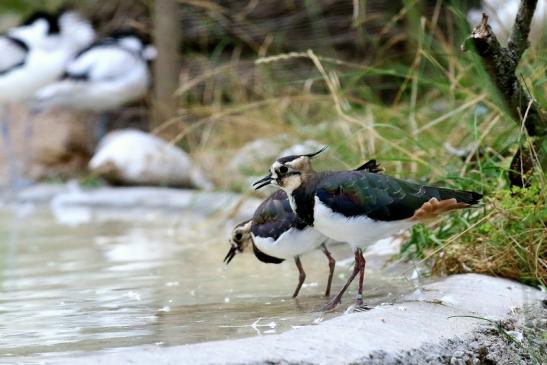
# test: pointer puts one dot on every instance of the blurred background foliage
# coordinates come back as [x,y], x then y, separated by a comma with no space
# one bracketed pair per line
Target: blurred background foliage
[373,79]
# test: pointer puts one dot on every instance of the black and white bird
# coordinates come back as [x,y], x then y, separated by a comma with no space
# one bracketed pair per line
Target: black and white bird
[106,75]
[359,207]
[35,54]
[276,233]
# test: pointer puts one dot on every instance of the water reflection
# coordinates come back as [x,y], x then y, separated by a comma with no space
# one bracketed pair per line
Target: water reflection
[148,278]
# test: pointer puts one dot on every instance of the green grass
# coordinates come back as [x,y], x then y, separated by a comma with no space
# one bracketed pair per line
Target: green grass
[443,96]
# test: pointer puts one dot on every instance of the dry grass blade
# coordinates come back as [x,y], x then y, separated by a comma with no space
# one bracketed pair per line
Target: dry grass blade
[452,240]
[450,114]
[338,106]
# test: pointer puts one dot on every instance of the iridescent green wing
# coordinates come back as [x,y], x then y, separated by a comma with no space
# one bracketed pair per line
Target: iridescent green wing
[275,216]
[380,197]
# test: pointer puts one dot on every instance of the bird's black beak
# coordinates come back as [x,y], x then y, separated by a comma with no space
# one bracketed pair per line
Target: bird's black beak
[230,255]
[266,180]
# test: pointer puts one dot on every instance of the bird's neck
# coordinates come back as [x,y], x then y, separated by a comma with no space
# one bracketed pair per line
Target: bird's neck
[302,201]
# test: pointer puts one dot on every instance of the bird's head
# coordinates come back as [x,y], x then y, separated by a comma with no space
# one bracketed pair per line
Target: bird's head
[37,28]
[77,32]
[44,22]
[240,240]
[64,28]
[289,172]
[135,42]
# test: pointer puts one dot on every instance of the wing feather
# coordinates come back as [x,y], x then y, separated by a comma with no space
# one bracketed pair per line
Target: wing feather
[101,63]
[275,216]
[14,53]
[381,197]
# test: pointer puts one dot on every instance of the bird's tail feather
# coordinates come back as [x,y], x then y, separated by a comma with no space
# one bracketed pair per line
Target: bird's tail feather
[461,196]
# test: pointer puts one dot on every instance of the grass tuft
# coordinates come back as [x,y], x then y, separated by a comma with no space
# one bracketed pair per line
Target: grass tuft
[431,116]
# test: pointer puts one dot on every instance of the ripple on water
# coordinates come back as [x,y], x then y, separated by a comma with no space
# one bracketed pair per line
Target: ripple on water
[98,283]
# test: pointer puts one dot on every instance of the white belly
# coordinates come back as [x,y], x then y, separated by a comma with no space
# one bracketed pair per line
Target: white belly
[40,69]
[291,243]
[357,231]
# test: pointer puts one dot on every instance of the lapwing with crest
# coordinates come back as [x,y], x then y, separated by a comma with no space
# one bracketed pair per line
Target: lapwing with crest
[276,233]
[359,207]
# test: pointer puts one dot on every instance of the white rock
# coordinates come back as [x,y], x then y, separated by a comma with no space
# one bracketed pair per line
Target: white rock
[138,158]
[516,335]
[256,153]
[260,153]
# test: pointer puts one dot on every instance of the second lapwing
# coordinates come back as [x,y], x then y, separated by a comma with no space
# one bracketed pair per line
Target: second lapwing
[276,233]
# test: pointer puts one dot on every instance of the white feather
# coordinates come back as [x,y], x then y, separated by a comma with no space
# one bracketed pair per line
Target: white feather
[75,34]
[357,231]
[34,34]
[12,53]
[115,76]
[106,62]
[47,57]
[40,68]
[291,243]
[76,31]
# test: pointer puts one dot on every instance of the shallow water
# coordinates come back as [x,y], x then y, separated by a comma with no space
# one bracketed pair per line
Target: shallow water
[91,280]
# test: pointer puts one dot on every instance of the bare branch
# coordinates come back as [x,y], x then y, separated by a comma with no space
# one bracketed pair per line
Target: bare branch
[501,64]
[519,36]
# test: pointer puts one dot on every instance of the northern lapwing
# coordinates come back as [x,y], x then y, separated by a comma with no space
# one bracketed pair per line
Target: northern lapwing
[276,233]
[34,54]
[359,207]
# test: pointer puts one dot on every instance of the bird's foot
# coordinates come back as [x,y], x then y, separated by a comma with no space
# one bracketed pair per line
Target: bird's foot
[359,305]
[330,306]
[362,308]
[357,308]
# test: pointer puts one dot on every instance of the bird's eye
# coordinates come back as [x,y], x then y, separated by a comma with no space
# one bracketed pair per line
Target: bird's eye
[238,236]
[283,169]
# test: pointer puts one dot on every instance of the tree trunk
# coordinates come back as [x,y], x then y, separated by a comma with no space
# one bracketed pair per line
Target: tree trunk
[167,38]
[501,64]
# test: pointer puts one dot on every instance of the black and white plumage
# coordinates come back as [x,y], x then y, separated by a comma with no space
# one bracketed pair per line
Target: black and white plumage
[36,53]
[359,207]
[33,55]
[14,54]
[104,76]
[276,233]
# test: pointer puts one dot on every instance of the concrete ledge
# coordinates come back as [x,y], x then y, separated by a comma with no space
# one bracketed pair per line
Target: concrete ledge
[423,317]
